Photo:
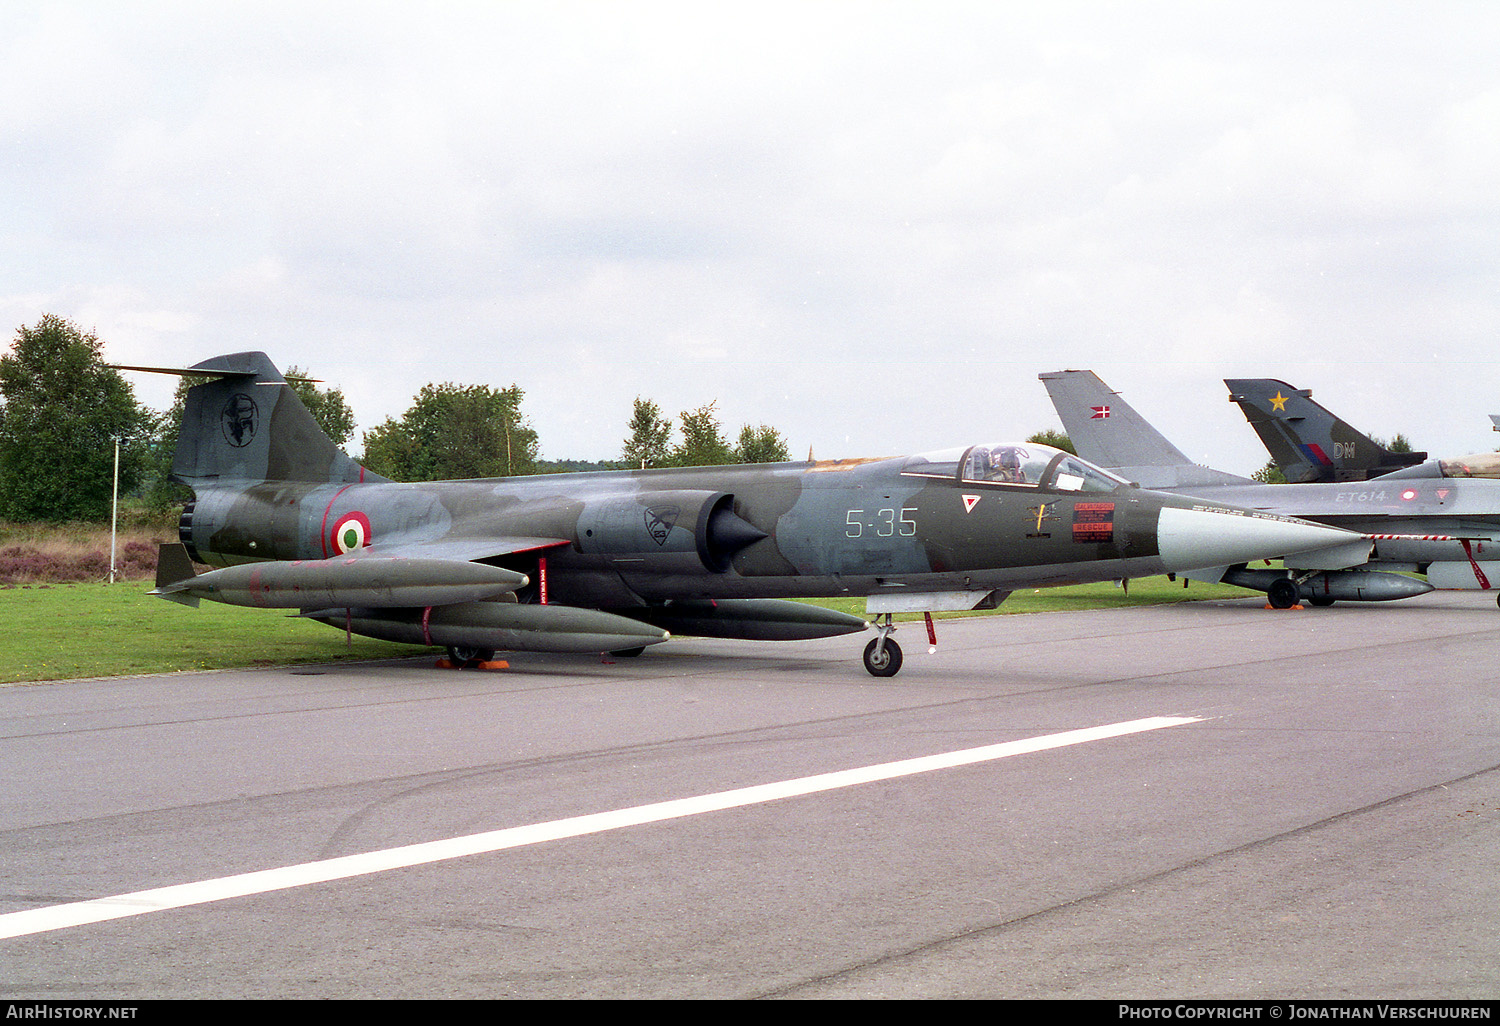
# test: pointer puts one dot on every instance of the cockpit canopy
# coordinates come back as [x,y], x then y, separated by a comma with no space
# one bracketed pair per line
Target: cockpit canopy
[1023,464]
[1481,464]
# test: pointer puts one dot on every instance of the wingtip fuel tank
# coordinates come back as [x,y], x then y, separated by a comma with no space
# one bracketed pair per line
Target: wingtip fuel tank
[369,581]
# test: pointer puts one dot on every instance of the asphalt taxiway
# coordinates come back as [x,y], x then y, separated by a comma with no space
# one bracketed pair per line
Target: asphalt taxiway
[1320,820]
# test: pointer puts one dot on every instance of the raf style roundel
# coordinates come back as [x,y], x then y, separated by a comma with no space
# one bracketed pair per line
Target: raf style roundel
[351,532]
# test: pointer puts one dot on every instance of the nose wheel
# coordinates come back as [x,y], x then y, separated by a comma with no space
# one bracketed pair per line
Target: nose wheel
[883,656]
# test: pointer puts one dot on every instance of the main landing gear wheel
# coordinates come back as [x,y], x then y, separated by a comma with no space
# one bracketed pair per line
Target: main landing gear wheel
[883,662]
[1283,593]
[465,655]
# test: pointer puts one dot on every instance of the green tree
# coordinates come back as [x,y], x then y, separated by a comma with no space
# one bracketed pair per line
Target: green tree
[1056,439]
[326,405]
[703,443]
[1269,474]
[455,431]
[761,445]
[649,441]
[63,409]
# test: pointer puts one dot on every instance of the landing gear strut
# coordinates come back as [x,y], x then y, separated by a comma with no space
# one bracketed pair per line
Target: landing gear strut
[883,656]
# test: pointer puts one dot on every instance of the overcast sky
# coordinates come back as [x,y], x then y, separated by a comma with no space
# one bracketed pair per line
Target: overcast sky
[870,225]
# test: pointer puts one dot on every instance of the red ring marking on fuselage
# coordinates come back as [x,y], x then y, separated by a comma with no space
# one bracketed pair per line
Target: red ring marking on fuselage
[323,528]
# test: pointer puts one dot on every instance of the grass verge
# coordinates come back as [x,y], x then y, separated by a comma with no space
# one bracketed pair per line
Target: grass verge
[67,631]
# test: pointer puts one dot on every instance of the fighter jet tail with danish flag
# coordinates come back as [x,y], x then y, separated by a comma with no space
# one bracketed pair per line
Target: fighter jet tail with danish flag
[1439,518]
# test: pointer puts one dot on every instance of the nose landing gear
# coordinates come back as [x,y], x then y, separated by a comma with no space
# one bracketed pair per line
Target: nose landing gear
[883,656]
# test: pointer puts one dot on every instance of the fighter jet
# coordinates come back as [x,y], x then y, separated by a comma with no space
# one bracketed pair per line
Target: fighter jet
[1438,518]
[613,562]
[1308,442]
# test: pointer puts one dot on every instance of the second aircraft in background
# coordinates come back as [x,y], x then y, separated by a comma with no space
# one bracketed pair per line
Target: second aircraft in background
[1439,518]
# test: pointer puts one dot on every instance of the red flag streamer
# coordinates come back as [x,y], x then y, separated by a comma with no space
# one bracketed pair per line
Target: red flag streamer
[1484,582]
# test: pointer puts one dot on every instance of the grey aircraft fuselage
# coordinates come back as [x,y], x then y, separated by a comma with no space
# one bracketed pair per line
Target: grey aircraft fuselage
[613,539]
[612,561]
[1422,518]
[1421,511]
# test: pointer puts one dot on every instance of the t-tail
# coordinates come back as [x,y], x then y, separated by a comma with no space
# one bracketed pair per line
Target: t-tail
[244,423]
[1306,441]
[1106,430]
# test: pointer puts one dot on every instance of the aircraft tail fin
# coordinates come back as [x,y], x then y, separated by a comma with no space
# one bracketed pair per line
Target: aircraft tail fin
[1308,442]
[246,423]
[1107,430]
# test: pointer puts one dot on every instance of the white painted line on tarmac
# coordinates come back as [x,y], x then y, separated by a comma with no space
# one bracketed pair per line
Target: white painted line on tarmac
[159,899]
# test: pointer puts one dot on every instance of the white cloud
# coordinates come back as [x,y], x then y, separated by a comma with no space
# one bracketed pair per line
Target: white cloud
[869,224]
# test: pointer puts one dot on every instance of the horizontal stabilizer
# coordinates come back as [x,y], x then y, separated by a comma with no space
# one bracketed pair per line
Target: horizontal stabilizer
[208,369]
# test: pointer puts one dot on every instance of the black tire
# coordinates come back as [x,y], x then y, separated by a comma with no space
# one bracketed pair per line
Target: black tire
[1283,593]
[889,662]
[464,655]
[1321,600]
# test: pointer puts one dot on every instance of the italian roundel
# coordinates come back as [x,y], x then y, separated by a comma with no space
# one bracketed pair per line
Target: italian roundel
[351,532]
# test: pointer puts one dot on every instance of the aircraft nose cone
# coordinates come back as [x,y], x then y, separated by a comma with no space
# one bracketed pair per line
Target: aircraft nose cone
[1196,539]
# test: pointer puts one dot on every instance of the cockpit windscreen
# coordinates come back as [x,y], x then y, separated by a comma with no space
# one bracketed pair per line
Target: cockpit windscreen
[1026,464]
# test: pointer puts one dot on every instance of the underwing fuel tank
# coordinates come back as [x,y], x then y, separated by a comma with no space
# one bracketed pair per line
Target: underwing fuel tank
[499,625]
[751,619]
[1339,585]
[366,582]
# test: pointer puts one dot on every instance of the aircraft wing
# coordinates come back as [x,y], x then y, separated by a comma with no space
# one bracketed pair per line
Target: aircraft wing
[465,550]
